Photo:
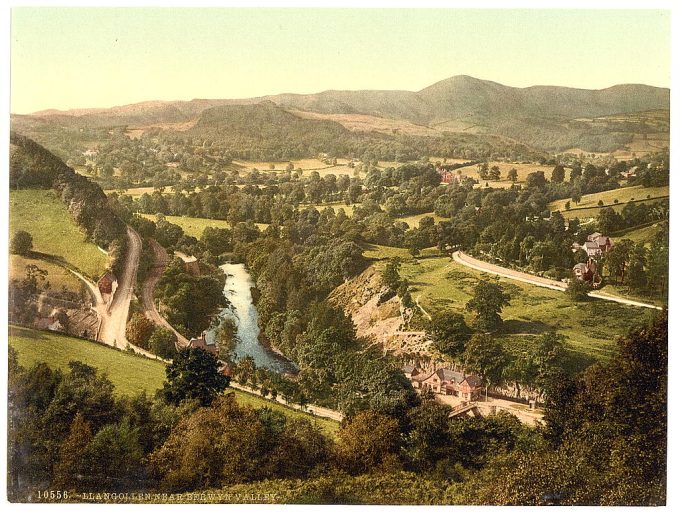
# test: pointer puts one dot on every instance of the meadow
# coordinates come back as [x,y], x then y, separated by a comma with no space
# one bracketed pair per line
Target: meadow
[590,327]
[42,214]
[57,276]
[523,171]
[414,221]
[129,373]
[589,206]
[195,226]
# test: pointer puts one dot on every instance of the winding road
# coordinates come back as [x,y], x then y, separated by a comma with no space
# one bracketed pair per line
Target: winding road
[483,266]
[114,318]
[161,260]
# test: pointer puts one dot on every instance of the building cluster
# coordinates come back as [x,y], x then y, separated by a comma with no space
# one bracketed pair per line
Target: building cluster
[444,381]
[450,177]
[596,244]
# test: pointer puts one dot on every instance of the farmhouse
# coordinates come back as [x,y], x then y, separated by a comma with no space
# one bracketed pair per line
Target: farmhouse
[107,284]
[411,371]
[585,271]
[595,245]
[449,382]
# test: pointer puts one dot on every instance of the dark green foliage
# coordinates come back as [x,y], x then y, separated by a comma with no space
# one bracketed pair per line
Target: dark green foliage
[484,356]
[226,444]
[191,301]
[577,290]
[487,302]
[610,429]
[193,375]
[21,243]
[449,332]
[162,342]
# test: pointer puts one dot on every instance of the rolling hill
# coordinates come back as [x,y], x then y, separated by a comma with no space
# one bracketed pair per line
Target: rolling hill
[550,118]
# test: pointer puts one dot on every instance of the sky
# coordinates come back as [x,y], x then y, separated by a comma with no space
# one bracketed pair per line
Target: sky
[63,58]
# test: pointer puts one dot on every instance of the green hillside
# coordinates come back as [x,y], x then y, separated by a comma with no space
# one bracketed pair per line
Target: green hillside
[130,374]
[613,197]
[42,214]
[590,327]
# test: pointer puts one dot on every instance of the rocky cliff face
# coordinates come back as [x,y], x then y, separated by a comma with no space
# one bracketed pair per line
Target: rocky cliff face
[379,315]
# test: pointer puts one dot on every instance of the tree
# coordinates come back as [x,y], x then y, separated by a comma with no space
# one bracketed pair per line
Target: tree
[139,329]
[637,276]
[608,220]
[512,175]
[536,180]
[618,257]
[390,275]
[193,375]
[557,174]
[113,459]
[449,332]
[487,302]
[367,442]
[70,466]
[486,357]
[428,440]
[162,342]
[495,173]
[227,338]
[21,243]
[577,290]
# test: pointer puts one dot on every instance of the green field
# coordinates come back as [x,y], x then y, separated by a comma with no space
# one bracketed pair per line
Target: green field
[195,226]
[639,235]
[523,170]
[57,276]
[349,209]
[130,374]
[44,216]
[413,221]
[588,206]
[590,327]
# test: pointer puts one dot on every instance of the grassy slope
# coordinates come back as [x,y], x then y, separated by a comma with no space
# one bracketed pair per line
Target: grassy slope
[195,226]
[523,170]
[413,221]
[57,276]
[44,216]
[588,206]
[129,373]
[590,327]
[639,235]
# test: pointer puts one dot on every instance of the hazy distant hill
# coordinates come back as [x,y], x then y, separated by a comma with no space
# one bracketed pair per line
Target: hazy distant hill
[545,117]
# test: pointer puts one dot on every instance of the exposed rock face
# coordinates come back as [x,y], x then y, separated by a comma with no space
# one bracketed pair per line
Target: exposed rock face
[378,316]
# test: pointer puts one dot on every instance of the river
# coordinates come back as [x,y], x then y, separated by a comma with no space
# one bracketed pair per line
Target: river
[237,289]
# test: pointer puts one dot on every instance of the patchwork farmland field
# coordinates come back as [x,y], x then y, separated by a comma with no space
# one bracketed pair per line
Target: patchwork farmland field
[589,206]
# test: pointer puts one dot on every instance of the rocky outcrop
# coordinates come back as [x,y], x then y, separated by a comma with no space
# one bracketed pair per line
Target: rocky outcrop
[377,314]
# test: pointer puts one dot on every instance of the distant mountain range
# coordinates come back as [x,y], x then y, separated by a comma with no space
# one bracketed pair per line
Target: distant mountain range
[545,117]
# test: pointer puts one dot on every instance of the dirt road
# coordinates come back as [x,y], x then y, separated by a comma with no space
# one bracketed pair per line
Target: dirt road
[483,266]
[114,319]
[161,260]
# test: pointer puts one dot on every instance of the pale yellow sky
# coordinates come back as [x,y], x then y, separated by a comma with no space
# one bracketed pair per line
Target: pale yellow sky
[94,57]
